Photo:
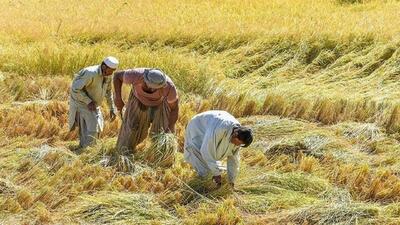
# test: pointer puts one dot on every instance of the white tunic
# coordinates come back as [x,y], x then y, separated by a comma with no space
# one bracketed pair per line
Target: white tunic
[207,141]
[89,85]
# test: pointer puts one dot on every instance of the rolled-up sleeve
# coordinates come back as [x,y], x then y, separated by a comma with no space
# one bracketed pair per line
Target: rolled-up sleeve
[78,91]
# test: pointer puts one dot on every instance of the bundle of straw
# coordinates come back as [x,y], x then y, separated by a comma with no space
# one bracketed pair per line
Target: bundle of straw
[161,151]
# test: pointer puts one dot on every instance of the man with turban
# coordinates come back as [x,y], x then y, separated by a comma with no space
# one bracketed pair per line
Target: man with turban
[153,101]
[88,90]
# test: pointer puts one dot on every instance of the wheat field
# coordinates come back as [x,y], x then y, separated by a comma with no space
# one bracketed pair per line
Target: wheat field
[315,79]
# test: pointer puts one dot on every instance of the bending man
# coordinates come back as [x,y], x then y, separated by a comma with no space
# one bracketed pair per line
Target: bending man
[153,101]
[212,136]
[88,90]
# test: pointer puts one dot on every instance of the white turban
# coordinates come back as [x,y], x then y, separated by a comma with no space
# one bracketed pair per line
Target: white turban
[155,78]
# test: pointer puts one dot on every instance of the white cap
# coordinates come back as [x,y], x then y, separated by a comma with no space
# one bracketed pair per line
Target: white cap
[111,62]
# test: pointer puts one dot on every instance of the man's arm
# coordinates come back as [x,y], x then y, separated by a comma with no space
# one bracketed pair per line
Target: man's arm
[78,87]
[173,116]
[208,151]
[233,164]
[173,102]
[123,77]
[110,102]
[118,80]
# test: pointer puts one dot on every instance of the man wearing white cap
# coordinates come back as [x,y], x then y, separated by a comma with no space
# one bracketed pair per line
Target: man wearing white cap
[152,101]
[88,90]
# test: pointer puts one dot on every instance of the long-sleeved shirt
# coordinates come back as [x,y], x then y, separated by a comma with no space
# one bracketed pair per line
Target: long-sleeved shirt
[209,133]
[90,85]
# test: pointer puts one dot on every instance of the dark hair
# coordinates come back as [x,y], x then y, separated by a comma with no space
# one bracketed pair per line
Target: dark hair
[245,134]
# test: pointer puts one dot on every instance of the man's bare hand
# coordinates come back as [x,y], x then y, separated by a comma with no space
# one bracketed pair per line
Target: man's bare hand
[92,106]
[218,180]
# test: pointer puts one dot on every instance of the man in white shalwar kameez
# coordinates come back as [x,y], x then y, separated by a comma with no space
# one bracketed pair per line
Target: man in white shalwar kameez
[211,137]
[89,87]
